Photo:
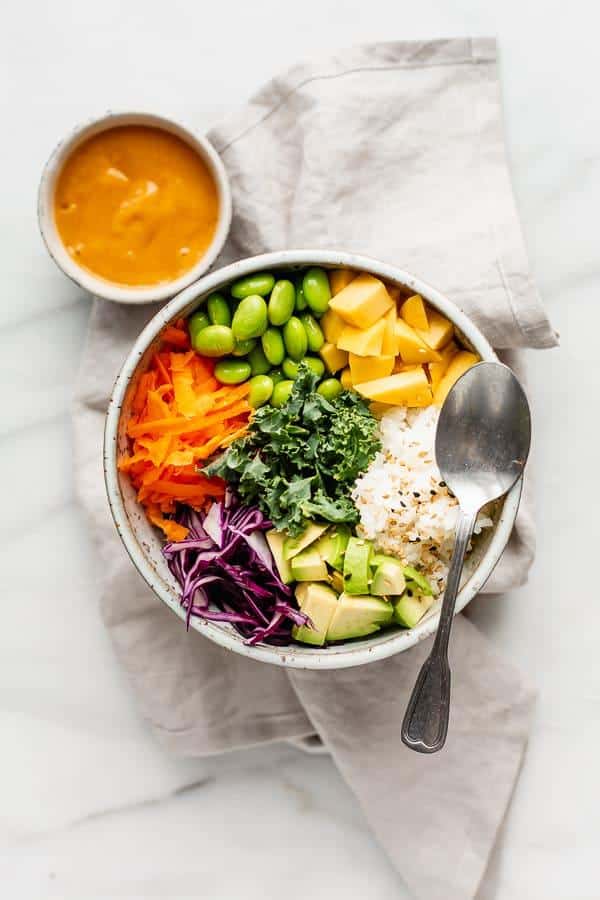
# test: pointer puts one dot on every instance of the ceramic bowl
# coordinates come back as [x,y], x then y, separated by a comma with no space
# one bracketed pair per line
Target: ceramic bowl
[94,283]
[142,541]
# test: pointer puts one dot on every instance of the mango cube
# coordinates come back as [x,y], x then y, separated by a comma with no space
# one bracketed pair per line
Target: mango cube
[332,326]
[362,342]
[438,369]
[346,379]
[339,279]
[458,366]
[440,331]
[411,347]
[409,388]
[333,358]
[413,312]
[394,291]
[366,368]
[362,302]
[389,346]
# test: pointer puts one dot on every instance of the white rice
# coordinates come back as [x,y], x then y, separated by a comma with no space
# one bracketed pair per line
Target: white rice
[405,508]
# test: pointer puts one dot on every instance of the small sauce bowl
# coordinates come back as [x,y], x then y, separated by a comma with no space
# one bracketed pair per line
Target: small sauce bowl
[95,284]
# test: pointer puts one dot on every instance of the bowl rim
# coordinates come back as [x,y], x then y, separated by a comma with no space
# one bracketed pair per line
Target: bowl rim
[295,656]
[83,277]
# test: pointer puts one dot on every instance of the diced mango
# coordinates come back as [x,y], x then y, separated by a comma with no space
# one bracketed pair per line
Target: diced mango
[362,302]
[332,326]
[438,369]
[413,312]
[410,346]
[346,379]
[458,366]
[363,342]
[400,366]
[366,368]
[339,279]
[333,358]
[389,346]
[380,409]
[440,330]
[394,291]
[403,389]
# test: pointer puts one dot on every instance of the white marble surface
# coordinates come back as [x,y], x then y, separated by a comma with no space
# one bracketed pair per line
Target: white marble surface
[90,807]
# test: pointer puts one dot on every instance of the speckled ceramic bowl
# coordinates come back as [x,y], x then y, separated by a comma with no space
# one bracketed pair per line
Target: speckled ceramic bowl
[143,542]
[95,284]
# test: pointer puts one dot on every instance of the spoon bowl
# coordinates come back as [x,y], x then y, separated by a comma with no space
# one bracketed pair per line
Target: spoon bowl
[481,447]
[483,435]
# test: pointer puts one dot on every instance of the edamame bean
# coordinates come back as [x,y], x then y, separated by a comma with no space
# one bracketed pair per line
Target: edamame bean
[301,303]
[260,283]
[276,375]
[330,388]
[259,363]
[218,310]
[290,368]
[261,388]
[281,393]
[316,290]
[281,302]
[314,334]
[214,340]
[232,371]
[316,365]
[295,339]
[273,346]
[250,318]
[196,323]
[243,348]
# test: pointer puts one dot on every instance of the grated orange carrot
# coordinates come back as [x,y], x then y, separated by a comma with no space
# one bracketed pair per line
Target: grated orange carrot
[180,415]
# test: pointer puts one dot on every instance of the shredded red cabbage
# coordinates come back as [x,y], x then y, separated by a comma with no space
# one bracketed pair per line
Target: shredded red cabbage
[225,562]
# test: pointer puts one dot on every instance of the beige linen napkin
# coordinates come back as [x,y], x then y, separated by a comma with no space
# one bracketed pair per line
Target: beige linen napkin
[393,150]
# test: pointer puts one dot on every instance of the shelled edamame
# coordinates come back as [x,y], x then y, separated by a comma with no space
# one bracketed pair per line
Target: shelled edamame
[262,328]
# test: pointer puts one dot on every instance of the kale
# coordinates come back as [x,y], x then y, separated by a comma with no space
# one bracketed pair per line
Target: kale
[300,462]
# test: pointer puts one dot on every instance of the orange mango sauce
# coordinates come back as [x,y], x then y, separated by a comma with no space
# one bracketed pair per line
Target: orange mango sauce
[136,205]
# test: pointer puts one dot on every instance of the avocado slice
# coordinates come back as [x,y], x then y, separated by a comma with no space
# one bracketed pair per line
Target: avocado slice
[275,541]
[388,578]
[293,546]
[409,610]
[356,616]
[336,580]
[319,603]
[332,546]
[356,566]
[308,566]
[412,574]
[378,558]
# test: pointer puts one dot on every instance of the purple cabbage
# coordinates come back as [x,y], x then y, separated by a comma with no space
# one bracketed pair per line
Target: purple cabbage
[227,572]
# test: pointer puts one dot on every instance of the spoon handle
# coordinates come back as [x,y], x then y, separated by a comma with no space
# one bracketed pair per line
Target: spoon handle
[425,724]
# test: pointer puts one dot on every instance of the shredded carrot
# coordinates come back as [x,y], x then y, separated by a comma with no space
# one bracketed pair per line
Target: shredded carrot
[180,416]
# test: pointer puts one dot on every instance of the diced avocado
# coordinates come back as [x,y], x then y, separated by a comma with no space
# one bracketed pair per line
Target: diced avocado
[292,546]
[412,574]
[408,611]
[388,579]
[336,579]
[356,566]
[377,559]
[356,616]
[308,566]
[319,603]
[332,546]
[275,541]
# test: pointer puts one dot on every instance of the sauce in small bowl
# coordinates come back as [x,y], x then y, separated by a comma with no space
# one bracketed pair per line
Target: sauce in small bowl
[134,207]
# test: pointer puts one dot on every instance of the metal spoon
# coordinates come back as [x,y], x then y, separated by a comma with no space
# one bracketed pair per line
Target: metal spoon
[481,447]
